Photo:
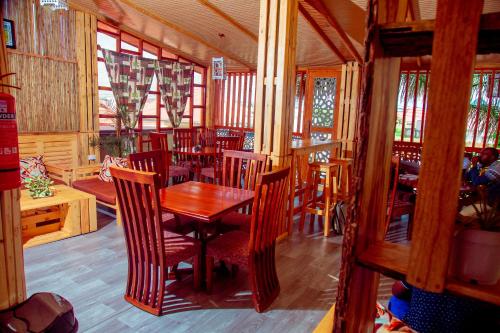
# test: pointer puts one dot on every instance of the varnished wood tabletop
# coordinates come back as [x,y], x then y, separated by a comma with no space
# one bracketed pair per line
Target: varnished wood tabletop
[204,202]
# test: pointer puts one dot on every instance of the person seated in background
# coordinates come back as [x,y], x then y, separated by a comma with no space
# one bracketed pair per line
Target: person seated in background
[427,312]
[485,170]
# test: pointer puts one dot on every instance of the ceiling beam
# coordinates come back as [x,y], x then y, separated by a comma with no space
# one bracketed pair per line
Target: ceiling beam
[185,32]
[228,18]
[320,7]
[321,33]
[410,39]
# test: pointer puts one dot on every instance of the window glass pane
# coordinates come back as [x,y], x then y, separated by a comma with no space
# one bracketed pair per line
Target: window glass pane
[198,97]
[184,123]
[154,84]
[148,55]
[127,46]
[102,75]
[149,124]
[107,124]
[150,106]
[198,116]
[164,119]
[198,78]
[106,42]
[187,110]
[107,104]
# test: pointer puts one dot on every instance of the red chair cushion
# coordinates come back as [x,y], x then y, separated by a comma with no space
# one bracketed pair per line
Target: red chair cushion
[231,247]
[179,248]
[236,221]
[103,191]
[178,171]
[207,172]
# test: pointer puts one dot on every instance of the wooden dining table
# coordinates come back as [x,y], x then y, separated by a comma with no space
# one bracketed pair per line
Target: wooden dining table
[204,203]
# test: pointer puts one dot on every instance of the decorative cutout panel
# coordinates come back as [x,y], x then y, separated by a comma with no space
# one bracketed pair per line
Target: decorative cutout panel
[324,102]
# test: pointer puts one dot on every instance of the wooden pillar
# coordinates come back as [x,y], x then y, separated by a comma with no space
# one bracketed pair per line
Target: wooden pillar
[348,109]
[12,283]
[275,85]
[357,291]
[88,94]
[453,57]
[210,103]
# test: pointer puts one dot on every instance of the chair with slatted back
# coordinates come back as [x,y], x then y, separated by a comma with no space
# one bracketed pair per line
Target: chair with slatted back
[184,138]
[240,169]
[223,143]
[399,202]
[151,250]
[152,161]
[257,248]
[159,141]
[208,137]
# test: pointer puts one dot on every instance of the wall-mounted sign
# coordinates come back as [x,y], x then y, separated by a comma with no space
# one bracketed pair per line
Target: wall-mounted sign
[9,33]
[218,69]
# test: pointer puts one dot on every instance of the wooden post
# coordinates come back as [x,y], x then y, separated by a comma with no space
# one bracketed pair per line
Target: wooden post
[88,98]
[210,105]
[12,283]
[453,54]
[275,85]
[357,291]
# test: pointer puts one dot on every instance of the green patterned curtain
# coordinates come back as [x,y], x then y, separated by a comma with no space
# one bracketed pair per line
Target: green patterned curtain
[174,80]
[130,77]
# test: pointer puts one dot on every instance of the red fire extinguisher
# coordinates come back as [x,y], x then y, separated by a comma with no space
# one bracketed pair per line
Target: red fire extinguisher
[9,151]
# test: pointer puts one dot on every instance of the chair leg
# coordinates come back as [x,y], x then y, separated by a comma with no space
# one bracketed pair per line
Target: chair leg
[118,215]
[327,208]
[210,272]
[197,272]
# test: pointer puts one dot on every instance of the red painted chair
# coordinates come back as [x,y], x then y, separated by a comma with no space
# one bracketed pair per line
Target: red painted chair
[257,248]
[208,137]
[240,169]
[159,141]
[152,161]
[151,249]
[214,172]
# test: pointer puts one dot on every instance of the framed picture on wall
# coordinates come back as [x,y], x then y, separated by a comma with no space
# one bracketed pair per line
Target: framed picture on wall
[9,34]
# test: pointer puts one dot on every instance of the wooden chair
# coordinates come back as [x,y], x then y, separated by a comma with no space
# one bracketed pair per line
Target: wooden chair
[152,161]
[320,175]
[151,249]
[399,203]
[257,248]
[214,172]
[208,137]
[240,169]
[159,141]
[184,138]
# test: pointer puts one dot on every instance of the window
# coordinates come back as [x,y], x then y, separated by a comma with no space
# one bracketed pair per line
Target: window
[154,116]
[483,126]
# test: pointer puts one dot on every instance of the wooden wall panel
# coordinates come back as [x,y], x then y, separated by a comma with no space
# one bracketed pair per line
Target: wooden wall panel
[348,109]
[12,282]
[56,66]
[47,101]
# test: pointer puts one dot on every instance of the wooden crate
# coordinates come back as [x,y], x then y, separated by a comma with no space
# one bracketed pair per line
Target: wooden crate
[68,213]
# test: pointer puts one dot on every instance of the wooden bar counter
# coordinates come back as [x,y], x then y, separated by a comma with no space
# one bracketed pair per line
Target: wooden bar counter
[301,150]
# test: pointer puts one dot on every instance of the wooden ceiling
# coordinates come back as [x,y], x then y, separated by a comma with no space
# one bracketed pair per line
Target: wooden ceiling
[329,32]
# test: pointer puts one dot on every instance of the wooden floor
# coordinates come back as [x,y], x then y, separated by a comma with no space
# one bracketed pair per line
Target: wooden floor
[90,271]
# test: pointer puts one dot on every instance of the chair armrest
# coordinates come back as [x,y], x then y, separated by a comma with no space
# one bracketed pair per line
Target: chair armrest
[86,171]
[60,173]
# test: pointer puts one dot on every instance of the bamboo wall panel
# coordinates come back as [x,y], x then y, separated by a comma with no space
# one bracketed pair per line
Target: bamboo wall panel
[41,31]
[47,101]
